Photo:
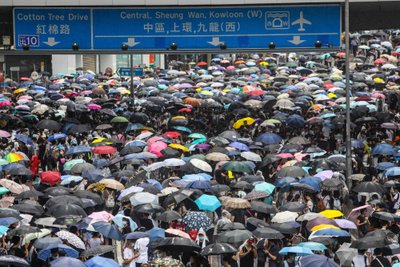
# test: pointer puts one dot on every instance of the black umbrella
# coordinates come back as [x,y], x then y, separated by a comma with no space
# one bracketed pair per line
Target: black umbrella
[90,195]
[29,208]
[29,194]
[68,220]
[265,232]
[149,188]
[23,230]
[66,209]
[234,237]
[390,250]
[66,199]
[220,188]
[243,185]
[218,249]
[233,226]
[57,191]
[169,216]
[11,260]
[6,212]
[49,124]
[386,216]
[369,187]
[231,135]
[263,207]
[174,198]
[149,208]
[97,250]
[293,206]
[175,244]
[375,239]
[20,171]
[292,171]
[284,228]
[332,184]
[80,128]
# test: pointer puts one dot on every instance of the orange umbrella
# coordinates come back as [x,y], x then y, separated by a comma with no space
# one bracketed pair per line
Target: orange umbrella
[192,101]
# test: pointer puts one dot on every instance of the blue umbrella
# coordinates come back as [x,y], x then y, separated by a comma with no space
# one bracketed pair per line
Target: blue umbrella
[108,230]
[327,115]
[383,149]
[269,138]
[285,181]
[239,146]
[98,261]
[385,165]
[182,129]
[312,181]
[155,183]
[208,202]
[78,149]
[6,221]
[119,220]
[56,136]
[394,171]
[331,232]
[299,251]
[45,253]
[67,261]
[197,176]
[355,143]
[12,166]
[156,233]
[199,184]
[317,261]
[67,179]
[136,143]
[313,246]
[24,139]
[295,121]
[93,175]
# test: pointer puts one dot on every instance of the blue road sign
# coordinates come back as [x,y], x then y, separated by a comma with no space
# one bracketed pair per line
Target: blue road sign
[52,28]
[190,28]
[127,71]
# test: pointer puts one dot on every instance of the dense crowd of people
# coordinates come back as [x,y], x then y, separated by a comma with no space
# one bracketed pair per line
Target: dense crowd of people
[235,162]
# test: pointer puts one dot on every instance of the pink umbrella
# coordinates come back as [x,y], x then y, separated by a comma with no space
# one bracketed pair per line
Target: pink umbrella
[12,186]
[5,103]
[285,155]
[177,232]
[299,156]
[94,107]
[101,216]
[357,211]
[6,202]
[378,95]
[230,68]
[156,148]
[4,134]
[86,92]
[324,175]
[155,139]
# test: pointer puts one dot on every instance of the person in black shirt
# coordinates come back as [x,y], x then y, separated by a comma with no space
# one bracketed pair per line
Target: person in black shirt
[248,253]
[379,260]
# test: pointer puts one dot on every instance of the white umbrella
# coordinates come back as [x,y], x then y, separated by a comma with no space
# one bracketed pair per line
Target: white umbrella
[389,67]
[32,236]
[251,156]
[144,135]
[217,156]
[284,216]
[202,165]
[130,190]
[346,254]
[174,162]
[155,166]
[143,198]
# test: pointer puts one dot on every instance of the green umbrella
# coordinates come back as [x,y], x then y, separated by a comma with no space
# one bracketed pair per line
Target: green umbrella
[69,164]
[291,64]
[264,187]
[197,136]
[3,162]
[3,190]
[237,166]
[198,141]
[364,47]
[120,119]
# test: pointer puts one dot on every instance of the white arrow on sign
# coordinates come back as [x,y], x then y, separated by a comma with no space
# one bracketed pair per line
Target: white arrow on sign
[51,41]
[297,40]
[131,42]
[215,41]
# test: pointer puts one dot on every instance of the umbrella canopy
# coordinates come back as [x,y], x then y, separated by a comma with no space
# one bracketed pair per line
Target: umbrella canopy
[218,249]
[317,261]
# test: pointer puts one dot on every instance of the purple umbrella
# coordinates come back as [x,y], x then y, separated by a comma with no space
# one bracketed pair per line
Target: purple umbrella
[346,224]
[239,146]
[203,146]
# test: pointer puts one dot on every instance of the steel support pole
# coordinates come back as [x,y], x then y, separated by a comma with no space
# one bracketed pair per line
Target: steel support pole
[347,67]
[131,82]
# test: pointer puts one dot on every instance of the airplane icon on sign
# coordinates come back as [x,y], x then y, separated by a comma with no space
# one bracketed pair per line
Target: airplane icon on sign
[301,21]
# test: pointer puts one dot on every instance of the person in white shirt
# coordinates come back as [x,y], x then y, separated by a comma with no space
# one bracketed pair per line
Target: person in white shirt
[130,255]
[360,260]
[141,246]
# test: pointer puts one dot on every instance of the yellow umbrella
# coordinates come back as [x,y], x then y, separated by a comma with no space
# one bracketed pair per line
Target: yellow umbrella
[113,184]
[379,80]
[323,226]
[331,214]
[179,147]
[244,121]
[178,118]
[264,64]
[205,92]
[20,90]
[332,95]
[289,163]
[98,140]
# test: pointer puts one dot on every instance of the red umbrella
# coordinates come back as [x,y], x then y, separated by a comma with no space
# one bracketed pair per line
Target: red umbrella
[172,134]
[257,93]
[188,110]
[341,54]
[104,150]
[50,178]
[380,61]
[201,64]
